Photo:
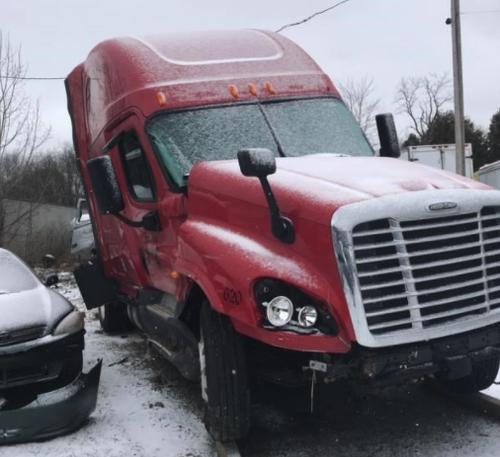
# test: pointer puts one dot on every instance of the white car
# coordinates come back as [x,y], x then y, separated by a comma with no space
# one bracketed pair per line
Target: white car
[41,344]
[82,239]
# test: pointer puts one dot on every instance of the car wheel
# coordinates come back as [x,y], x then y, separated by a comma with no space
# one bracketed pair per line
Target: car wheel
[224,381]
[481,377]
[113,318]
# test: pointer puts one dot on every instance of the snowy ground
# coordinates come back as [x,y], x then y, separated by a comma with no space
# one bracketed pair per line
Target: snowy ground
[145,409]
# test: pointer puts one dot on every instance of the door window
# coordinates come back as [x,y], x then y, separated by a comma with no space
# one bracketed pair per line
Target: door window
[136,168]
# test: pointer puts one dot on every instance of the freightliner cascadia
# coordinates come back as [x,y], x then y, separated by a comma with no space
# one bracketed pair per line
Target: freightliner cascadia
[244,223]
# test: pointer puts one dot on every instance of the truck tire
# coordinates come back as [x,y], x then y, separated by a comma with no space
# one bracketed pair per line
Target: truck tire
[113,318]
[482,376]
[224,381]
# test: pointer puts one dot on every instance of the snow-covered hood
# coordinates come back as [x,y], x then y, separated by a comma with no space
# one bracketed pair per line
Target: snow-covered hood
[314,186]
[37,307]
[369,176]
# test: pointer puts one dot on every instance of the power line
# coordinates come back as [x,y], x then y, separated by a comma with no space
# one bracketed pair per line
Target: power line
[286,26]
[32,78]
[480,12]
[317,13]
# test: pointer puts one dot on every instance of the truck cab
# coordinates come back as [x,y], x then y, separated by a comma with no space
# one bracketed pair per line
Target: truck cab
[243,221]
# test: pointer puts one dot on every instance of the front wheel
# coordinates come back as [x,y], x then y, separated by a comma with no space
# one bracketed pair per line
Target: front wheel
[481,377]
[224,381]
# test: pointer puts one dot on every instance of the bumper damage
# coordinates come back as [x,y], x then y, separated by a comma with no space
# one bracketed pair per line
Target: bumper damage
[451,356]
[52,414]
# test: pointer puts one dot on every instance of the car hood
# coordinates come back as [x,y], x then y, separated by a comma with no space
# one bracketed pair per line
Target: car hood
[314,186]
[39,309]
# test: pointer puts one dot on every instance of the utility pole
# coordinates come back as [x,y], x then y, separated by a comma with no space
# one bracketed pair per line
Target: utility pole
[458,86]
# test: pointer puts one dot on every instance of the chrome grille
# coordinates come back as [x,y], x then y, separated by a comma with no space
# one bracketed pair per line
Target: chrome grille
[417,274]
[419,265]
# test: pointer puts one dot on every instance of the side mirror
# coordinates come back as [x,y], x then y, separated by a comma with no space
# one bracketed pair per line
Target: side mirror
[256,162]
[388,136]
[151,221]
[51,280]
[81,208]
[260,163]
[105,185]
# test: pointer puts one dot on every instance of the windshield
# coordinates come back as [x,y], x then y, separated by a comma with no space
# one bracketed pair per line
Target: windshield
[16,276]
[302,127]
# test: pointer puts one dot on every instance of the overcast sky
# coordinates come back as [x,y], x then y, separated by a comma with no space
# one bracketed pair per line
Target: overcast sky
[382,39]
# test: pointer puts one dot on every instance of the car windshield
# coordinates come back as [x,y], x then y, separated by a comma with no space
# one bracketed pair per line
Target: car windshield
[16,276]
[300,127]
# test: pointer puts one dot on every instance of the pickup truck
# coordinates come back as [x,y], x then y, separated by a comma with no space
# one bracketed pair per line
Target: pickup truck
[245,224]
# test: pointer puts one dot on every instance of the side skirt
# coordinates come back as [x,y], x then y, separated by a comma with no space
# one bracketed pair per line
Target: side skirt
[171,337]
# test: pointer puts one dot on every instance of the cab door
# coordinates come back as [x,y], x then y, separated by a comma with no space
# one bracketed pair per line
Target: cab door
[149,249]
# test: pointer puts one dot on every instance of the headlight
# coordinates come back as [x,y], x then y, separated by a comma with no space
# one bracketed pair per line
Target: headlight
[307,316]
[279,311]
[287,307]
[72,323]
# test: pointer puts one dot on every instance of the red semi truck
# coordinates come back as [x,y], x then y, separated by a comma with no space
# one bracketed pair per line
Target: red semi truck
[245,224]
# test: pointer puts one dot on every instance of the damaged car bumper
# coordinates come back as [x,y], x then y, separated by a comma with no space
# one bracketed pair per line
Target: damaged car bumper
[52,414]
[41,365]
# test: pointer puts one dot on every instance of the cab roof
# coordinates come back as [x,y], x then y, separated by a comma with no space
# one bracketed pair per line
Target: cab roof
[193,69]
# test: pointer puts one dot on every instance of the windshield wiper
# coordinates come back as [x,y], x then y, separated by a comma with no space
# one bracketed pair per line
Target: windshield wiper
[281,152]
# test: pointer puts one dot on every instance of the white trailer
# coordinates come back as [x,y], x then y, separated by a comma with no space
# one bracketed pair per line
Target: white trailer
[440,156]
[490,174]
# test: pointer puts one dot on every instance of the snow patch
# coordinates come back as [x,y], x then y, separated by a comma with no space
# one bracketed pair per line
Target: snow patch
[135,416]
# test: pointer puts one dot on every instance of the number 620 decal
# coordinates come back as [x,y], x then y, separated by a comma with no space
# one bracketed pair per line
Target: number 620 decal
[232,296]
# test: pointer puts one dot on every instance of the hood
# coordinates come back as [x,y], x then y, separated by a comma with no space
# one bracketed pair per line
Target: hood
[371,176]
[324,182]
[39,309]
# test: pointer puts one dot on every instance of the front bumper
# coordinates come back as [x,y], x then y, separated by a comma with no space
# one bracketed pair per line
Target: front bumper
[54,413]
[451,356]
[43,364]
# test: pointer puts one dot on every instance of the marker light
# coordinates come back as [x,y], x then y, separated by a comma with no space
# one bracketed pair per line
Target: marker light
[269,88]
[175,274]
[307,316]
[279,311]
[233,90]
[161,98]
[252,89]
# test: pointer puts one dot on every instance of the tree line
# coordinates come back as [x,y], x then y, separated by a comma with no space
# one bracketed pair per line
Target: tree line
[50,177]
[29,170]
[426,102]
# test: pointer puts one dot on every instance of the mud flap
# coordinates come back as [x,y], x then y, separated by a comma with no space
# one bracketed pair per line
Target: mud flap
[96,289]
[54,413]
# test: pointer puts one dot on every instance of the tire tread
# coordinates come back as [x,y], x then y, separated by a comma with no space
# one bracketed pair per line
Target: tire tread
[228,411]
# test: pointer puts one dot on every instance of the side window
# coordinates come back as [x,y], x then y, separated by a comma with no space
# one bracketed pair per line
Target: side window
[136,168]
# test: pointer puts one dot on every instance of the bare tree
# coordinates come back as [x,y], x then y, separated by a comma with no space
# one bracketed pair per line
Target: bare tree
[422,99]
[21,132]
[358,95]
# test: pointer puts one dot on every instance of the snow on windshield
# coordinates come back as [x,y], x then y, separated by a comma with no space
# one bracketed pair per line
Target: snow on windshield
[188,137]
[303,127]
[313,126]
[15,276]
